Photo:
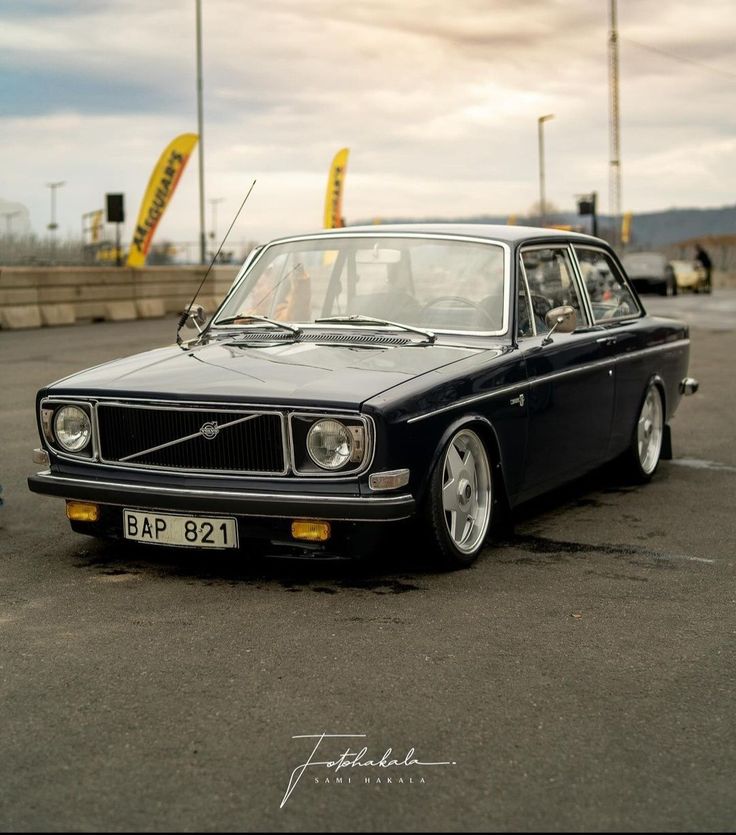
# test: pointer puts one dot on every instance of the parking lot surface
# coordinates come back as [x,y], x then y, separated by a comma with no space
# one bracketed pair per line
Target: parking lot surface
[580,676]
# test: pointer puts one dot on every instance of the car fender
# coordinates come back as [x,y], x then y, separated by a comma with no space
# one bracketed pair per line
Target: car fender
[489,436]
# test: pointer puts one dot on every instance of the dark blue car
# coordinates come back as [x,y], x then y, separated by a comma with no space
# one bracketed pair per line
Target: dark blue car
[357,378]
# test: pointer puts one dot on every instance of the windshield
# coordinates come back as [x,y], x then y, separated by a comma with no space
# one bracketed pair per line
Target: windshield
[431,283]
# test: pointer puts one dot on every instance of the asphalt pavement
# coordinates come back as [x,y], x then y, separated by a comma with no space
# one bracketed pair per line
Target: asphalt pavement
[579,677]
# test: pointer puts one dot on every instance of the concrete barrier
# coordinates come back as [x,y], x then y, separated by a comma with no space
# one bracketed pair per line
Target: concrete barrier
[58,314]
[31,297]
[20,316]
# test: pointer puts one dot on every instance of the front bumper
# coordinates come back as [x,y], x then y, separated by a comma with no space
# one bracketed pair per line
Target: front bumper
[235,502]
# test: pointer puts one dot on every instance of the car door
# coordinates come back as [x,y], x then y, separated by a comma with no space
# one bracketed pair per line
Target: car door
[571,375]
[615,309]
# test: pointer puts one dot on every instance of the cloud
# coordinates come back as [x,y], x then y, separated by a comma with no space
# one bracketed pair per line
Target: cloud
[438,103]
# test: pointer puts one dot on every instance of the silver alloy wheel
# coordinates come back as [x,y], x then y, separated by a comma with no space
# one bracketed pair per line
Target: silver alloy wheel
[649,430]
[466,491]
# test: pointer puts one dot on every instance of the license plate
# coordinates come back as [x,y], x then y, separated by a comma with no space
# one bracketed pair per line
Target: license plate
[172,529]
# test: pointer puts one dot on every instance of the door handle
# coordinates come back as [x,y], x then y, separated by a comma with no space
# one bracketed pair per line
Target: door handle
[607,340]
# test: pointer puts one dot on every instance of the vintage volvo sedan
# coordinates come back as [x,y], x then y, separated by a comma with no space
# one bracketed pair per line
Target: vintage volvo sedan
[434,375]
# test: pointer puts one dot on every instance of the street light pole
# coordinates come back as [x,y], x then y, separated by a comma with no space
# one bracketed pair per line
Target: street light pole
[200,128]
[213,201]
[53,225]
[540,129]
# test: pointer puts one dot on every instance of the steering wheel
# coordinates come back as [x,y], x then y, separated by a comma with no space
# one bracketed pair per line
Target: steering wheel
[462,300]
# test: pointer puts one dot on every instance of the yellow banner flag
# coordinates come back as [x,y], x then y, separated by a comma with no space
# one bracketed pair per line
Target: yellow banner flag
[95,227]
[626,227]
[333,200]
[161,186]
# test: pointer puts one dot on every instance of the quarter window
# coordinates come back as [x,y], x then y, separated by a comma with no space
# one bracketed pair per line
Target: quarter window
[610,298]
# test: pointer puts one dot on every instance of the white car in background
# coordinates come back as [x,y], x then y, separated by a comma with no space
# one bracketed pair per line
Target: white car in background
[690,275]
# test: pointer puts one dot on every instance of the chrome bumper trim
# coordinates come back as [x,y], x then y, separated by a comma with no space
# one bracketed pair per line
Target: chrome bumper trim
[240,503]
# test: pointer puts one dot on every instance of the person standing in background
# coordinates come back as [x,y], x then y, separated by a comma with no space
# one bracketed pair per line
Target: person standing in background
[702,258]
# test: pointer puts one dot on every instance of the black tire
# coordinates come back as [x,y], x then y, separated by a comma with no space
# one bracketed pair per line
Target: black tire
[460,485]
[642,458]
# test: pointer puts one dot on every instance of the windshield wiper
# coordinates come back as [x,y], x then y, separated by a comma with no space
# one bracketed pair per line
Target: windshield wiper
[251,317]
[359,319]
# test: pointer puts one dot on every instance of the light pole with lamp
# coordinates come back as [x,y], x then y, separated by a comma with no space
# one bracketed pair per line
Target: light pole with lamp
[540,127]
[53,225]
[213,201]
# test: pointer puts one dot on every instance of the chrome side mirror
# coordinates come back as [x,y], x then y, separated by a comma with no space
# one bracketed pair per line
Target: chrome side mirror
[196,317]
[561,319]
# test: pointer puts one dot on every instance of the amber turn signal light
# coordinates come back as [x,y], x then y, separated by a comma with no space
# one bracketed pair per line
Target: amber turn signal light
[82,511]
[311,530]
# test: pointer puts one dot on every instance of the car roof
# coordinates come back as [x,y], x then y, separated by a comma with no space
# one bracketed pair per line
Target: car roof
[506,234]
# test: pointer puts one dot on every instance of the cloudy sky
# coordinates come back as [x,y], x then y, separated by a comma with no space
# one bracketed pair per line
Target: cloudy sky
[437,101]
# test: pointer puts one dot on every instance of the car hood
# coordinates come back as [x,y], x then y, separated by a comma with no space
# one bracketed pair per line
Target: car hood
[300,372]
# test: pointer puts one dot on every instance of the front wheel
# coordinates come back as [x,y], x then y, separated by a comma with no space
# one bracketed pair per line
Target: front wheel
[669,288]
[459,501]
[646,444]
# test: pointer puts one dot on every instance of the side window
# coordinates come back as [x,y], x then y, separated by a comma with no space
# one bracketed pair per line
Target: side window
[610,298]
[549,273]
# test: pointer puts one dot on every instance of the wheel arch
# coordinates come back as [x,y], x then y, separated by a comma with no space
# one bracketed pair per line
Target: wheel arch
[657,380]
[487,433]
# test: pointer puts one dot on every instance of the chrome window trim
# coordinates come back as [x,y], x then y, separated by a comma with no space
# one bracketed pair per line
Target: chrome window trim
[545,378]
[523,275]
[369,427]
[564,245]
[214,327]
[582,289]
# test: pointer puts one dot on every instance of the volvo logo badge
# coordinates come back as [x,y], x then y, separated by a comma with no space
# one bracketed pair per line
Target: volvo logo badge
[209,430]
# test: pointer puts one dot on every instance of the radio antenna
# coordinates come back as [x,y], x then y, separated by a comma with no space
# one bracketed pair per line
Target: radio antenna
[185,315]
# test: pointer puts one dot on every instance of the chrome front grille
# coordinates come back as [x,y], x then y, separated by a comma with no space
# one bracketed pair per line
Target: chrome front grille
[192,438]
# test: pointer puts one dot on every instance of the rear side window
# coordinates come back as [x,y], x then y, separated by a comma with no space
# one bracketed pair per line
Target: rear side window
[610,298]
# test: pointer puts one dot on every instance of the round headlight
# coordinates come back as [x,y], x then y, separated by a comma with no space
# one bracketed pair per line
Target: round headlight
[72,428]
[329,444]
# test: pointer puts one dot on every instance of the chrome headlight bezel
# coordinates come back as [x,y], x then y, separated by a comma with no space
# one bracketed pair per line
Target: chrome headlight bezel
[50,414]
[358,429]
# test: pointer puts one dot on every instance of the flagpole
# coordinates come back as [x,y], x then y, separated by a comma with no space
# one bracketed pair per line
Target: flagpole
[200,128]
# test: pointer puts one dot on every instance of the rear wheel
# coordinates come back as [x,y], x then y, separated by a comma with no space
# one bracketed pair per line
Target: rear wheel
[646,444]
[459,501]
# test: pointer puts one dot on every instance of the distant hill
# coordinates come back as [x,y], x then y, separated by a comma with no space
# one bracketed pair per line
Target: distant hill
[651,230]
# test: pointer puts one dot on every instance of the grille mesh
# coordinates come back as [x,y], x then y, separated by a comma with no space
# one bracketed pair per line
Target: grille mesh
[253,446]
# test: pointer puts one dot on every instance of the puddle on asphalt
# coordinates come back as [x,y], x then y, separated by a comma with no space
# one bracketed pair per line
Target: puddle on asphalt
[557,550]
[699,464]
[117,563]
